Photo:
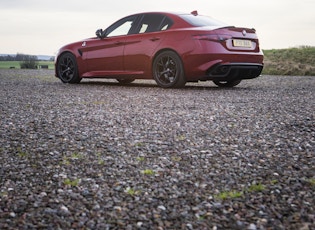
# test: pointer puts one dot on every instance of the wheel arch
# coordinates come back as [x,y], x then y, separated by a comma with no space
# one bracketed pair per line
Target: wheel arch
[71,66]
[64,52]
[163,50]
[77,57]
[59,56]
[181,77]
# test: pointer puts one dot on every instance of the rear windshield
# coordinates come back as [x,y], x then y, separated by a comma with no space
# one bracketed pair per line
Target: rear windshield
[200,20]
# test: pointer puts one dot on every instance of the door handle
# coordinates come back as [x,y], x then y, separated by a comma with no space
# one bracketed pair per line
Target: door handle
[155,39]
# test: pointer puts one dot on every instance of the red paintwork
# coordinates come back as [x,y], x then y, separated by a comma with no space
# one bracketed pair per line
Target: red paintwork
[132,55]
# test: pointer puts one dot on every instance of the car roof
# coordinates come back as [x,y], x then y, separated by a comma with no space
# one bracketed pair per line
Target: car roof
[182,20]
[167,13]
[175,16]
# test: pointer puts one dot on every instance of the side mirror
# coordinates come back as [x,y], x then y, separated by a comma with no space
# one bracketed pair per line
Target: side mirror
[100,33]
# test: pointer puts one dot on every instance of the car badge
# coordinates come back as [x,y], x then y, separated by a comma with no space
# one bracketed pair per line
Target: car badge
[84,44]
[244,33]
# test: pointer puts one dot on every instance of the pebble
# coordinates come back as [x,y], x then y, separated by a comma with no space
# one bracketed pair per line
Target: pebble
[252,227]
[222,158]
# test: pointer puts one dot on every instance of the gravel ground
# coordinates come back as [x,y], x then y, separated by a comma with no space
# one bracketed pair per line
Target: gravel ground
[99,155]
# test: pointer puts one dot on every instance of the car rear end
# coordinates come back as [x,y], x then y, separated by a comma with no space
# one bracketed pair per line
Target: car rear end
[222,52]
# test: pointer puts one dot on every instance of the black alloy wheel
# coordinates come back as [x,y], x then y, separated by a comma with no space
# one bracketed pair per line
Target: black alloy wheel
[168,70]
[67,69]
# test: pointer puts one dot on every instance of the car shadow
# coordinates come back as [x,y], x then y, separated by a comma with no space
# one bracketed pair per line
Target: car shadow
[151,84]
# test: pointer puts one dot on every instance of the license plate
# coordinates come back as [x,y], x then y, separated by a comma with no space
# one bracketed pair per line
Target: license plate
[242,43]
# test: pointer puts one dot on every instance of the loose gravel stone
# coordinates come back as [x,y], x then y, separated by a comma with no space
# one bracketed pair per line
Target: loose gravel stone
[99,155]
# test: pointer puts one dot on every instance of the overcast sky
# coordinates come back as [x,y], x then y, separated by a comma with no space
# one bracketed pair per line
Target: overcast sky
[43,26]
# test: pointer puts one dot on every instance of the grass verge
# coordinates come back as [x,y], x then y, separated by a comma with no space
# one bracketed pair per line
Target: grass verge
[298,61]
[16,64]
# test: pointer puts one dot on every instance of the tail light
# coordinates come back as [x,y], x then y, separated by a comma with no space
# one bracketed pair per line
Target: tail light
[213,37]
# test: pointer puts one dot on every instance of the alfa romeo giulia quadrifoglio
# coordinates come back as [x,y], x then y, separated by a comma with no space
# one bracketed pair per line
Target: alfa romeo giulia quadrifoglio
[171,48]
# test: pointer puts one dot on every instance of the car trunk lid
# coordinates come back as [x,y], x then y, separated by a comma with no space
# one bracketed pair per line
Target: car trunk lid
[232,38]
[239,38]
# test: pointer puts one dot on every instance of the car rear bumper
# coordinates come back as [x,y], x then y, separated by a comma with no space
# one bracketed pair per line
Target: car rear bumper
[233,71]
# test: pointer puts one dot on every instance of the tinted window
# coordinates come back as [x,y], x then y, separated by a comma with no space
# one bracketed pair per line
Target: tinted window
[154,22]
[201,20]
[122,27]
[166,24]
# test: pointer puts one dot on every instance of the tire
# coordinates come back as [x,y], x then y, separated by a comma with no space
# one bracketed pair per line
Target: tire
[67,69]
[125,81]
[227,84]
[168,70]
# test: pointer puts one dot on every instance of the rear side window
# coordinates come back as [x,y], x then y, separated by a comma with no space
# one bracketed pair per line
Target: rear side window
[154,22]
[200,21]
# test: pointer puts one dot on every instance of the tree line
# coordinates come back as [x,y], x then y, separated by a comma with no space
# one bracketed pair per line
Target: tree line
[26,61]
[18,57]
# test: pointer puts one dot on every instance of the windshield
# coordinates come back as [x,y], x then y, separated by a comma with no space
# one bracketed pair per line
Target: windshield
[200,20]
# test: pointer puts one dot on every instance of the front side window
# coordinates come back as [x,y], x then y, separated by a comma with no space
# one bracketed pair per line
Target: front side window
[120,28]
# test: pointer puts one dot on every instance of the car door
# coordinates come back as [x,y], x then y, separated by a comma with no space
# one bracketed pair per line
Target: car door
[142,44]
[104,56]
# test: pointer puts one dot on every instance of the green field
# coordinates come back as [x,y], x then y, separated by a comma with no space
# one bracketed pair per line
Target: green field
[16,64]
[292,61]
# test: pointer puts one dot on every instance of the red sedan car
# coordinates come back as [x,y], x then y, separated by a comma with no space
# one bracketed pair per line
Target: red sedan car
[171,48]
